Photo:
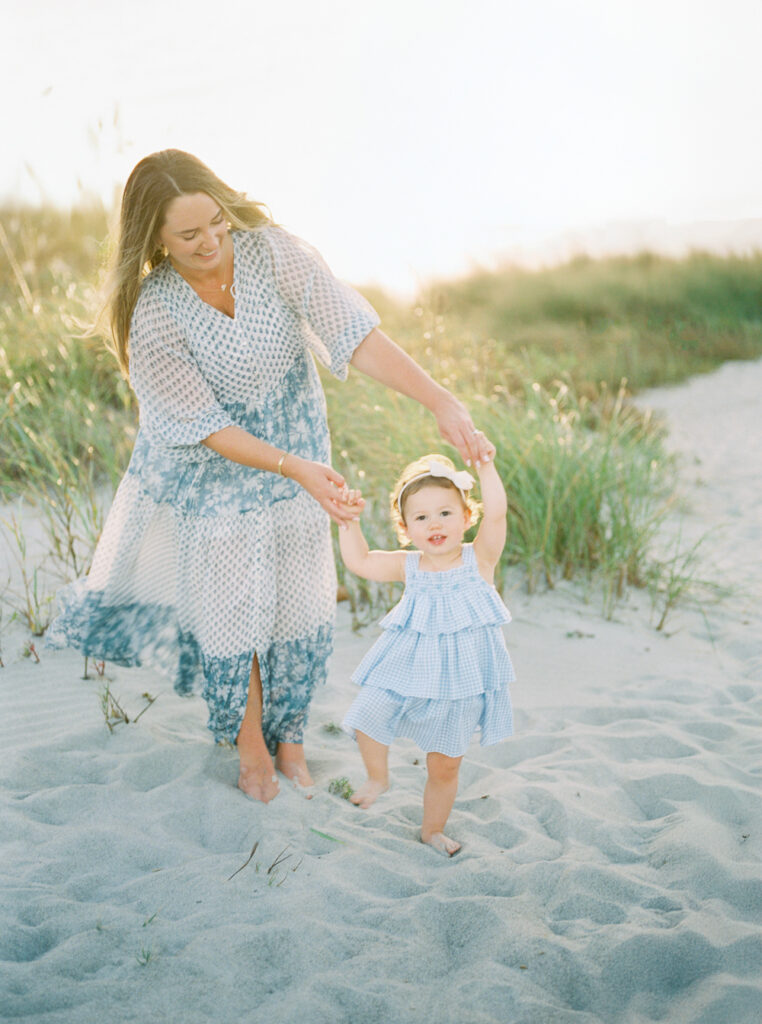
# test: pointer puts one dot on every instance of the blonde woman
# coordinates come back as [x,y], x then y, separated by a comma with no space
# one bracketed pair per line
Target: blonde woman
[215,564]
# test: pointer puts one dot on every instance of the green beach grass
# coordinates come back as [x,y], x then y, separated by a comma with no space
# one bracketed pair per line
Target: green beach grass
[546,361]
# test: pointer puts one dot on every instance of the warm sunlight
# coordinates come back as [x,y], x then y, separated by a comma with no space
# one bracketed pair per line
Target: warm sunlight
[408,139]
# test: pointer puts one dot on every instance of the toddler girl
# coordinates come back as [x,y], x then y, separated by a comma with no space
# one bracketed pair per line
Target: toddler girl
[441,669]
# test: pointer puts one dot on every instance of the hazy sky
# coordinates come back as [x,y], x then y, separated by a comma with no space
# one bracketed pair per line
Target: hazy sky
[403,138]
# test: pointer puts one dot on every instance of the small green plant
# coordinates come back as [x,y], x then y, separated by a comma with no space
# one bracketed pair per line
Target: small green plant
[275,875]
[30,651]
[99,666]
[113,712]
[672,580]
[341,787]
[332,729]
[145,955]
[33,602]
[247,861]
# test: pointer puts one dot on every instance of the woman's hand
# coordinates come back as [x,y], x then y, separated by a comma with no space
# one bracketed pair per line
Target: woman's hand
[457,428]
[325,485]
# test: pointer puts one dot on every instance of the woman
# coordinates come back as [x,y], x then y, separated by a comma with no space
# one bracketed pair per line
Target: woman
[215,563]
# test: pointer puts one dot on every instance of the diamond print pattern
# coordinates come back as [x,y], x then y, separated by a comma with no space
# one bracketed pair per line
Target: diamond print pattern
[203,562]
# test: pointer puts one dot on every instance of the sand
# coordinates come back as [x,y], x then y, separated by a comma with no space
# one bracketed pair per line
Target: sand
[611,869]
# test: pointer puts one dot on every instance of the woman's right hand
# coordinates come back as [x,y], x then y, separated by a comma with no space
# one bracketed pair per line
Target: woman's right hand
[325,485]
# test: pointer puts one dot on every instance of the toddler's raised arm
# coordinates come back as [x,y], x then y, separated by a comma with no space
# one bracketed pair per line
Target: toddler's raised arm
[490,538]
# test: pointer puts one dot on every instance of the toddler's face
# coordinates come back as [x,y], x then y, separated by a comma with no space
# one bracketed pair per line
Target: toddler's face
[436,519]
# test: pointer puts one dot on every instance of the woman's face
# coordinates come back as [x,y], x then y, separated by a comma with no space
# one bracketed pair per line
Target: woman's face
[195,233]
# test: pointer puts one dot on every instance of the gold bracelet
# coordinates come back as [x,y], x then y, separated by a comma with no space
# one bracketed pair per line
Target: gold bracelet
[281,460]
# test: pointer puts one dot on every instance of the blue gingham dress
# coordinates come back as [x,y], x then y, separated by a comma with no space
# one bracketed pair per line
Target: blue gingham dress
[440,670]
[202,562]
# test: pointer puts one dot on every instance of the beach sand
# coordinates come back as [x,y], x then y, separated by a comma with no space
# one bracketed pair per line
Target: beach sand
[612,860]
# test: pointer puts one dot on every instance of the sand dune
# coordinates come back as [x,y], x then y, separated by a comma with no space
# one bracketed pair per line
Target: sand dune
[612,861]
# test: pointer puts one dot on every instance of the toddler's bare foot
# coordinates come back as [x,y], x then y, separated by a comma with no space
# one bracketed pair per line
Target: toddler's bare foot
[368,793]
[258,780]
[442,843]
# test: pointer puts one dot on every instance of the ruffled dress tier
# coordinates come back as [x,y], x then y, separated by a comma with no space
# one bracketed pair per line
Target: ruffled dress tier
[440,671]
[204,563]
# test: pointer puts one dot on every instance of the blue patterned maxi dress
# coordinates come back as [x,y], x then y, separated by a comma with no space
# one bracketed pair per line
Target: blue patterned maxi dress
[204,563]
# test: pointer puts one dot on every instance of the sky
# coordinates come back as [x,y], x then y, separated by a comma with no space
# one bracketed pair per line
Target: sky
[405,139]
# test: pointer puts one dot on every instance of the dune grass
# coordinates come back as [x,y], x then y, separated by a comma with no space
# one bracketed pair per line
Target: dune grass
[645,319]
[587,482]
[546,361]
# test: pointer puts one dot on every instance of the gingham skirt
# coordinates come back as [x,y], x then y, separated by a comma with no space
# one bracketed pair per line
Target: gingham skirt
[441,726]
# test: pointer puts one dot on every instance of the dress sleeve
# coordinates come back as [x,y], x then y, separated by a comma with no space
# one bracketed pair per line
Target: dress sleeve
[337,316]
[177,405]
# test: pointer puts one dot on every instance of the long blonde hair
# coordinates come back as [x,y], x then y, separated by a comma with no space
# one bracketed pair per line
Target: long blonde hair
[154,182]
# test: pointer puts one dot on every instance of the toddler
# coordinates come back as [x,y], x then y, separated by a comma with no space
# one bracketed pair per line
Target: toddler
[440,670]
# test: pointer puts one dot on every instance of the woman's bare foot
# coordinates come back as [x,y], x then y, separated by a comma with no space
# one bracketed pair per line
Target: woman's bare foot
[442,843]
[291,763]
[368,793]
[258,780]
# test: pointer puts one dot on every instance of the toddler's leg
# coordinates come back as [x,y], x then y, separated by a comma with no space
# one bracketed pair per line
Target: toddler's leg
[375,756]
[438,798]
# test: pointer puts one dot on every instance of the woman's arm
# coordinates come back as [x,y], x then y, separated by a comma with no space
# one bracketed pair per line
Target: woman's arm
[380,358]
[490,538]
[324,484]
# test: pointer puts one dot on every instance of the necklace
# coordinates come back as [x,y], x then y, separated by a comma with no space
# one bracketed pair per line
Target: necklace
[224,287]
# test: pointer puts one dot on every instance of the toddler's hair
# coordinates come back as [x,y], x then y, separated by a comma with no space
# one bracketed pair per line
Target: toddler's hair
[418,469]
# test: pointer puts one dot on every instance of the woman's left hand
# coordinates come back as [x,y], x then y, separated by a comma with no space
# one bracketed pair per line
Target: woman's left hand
[457,428]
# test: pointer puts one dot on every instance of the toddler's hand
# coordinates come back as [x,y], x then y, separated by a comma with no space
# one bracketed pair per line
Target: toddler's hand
[491,450]
[352,500]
